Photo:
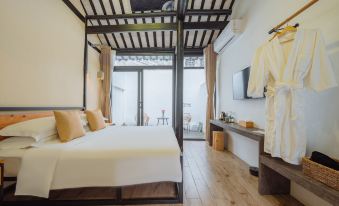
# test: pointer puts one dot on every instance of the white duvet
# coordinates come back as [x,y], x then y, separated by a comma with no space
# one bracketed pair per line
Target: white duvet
[115,156]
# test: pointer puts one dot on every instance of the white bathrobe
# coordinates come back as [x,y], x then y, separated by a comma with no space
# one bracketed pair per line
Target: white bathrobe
[286,66]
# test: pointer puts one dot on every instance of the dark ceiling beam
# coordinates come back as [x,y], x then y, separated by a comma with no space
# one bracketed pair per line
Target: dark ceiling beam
[192,12]
[154,27]
[208,12]
[214,25]
[75,10]
[202,40]
[94,47]
[130,28]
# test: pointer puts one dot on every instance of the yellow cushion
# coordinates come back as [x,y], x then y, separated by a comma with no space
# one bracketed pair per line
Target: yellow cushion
[95,119]
[69,125]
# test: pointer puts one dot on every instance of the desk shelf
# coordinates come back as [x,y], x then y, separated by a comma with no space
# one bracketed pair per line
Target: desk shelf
[275,176]
[218,125]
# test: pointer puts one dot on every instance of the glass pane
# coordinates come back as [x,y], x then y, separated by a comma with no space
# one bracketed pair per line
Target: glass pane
[157,97]
[194,61]
[143,60]
[195,97]
[125,98]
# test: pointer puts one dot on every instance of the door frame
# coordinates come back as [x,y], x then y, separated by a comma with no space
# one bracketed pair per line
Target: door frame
[140,95]
[140,71]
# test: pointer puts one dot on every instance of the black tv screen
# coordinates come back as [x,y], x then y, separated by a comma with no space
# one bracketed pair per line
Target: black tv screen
[240,84]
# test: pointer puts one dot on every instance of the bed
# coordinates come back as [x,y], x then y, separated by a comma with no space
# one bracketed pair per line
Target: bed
[115,157]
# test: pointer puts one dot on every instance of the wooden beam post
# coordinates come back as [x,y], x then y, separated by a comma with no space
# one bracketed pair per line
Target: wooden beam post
[85,67]
[174,74]
[179,81]
[181,9]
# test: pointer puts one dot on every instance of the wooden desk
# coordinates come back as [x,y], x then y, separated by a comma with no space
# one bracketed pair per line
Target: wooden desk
[275,176]
[218,125]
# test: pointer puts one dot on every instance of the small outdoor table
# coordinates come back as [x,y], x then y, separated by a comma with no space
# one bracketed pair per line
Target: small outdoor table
[163,119]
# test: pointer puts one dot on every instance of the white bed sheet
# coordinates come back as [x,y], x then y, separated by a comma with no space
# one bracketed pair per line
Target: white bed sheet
[12,160]
[12,157]
[115,156]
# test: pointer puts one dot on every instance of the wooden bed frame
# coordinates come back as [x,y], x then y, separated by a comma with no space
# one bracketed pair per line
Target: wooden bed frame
[124,195]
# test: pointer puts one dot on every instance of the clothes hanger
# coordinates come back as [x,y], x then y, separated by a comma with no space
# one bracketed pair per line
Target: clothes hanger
[282,31]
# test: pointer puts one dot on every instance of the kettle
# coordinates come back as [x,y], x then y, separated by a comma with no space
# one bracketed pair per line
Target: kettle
[222,116]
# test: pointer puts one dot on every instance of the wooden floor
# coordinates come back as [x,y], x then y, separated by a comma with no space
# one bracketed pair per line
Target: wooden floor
[214,178]
[193,135]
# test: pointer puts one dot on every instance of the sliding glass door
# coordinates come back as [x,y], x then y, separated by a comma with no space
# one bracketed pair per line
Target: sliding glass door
[142,97]
[125,98]
[157,89]
[195,97]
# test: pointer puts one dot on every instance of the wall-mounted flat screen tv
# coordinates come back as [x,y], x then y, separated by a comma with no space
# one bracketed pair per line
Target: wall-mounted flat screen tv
[240,84]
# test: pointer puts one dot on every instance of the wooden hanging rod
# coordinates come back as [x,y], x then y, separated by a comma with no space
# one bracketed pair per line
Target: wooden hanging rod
[293,15]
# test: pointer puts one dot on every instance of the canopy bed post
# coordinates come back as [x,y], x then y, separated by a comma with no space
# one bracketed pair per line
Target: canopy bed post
[173,89]
[85,66]
[181,8]
[179,73]
[179,82]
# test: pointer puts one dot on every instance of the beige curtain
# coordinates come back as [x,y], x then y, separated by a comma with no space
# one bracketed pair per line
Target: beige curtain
[106,65]
[210,68]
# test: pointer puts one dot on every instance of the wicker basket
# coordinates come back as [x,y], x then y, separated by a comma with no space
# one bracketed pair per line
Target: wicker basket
[321,173]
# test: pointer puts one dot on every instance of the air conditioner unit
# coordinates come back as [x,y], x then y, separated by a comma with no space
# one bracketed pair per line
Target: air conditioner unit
[228,35]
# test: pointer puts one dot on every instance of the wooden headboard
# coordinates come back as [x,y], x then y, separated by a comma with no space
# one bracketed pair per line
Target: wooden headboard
[8,119]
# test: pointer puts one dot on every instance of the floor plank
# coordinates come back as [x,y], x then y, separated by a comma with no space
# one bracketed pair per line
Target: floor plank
[213,178]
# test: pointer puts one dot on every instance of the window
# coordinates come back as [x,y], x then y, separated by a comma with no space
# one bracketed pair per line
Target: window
[165,60]
[196,61]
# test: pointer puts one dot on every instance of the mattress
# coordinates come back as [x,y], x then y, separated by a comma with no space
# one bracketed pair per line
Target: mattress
[114,156]
[12,159]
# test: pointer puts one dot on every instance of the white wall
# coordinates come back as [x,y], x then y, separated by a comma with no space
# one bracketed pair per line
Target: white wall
[41,55]
[321,109]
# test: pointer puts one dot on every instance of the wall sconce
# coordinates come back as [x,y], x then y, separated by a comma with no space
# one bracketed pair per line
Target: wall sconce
[100,75]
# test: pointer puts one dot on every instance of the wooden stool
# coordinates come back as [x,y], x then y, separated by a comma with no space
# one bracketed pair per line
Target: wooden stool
[218,140]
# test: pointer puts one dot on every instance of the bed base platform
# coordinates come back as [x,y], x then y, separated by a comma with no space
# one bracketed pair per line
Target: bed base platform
[128,195]
[152,193]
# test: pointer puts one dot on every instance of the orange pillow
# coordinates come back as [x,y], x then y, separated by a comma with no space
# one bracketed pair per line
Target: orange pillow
[95,119]
[69,125]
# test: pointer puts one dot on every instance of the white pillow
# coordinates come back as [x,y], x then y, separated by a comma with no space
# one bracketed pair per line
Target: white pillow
[17,143]
[35,128]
